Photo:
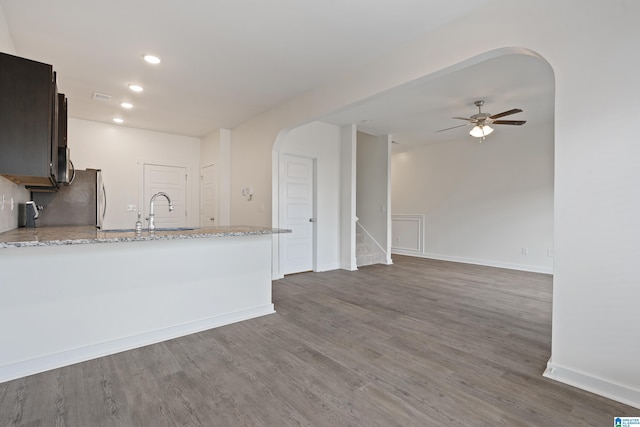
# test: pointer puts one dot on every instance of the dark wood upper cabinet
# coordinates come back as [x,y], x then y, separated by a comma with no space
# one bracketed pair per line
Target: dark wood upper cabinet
[62,120]
[29,122]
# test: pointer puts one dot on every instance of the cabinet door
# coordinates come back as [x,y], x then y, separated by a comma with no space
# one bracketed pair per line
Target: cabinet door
[53,140]
[62,120]
[27,120]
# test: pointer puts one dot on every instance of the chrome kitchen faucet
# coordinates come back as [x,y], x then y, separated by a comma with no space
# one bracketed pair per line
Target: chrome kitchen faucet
[152,225]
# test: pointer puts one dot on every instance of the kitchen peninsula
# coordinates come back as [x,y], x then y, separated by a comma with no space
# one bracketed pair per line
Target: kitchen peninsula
[69,294]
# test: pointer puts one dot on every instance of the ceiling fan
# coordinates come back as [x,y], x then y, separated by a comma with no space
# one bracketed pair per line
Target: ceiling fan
[481,121]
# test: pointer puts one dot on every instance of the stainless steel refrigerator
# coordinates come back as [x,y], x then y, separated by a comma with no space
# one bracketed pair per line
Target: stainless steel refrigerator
[82,202]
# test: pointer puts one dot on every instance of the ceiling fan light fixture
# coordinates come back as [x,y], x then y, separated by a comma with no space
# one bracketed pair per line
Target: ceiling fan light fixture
[481,131]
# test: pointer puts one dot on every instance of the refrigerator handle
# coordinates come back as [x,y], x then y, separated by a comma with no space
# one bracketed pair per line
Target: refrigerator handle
[104,203]
[73,172]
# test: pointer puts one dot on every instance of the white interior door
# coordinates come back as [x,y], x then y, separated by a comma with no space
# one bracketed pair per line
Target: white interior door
[173,181]
[208,196]
[297,213]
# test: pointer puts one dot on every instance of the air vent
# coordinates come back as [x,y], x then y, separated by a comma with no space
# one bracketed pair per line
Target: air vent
[101,97]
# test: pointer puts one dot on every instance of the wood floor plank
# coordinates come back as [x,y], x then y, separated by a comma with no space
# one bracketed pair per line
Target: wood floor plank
[417,343]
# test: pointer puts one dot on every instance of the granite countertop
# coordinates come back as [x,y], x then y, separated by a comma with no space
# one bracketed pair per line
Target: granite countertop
[72,235]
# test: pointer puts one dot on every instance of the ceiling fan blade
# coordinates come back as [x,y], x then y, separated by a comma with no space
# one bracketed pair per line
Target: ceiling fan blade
[509,122]
[462,118]
[453,127]
[506,113]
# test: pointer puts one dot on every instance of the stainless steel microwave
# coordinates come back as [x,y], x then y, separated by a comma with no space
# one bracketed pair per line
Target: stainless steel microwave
[66,171]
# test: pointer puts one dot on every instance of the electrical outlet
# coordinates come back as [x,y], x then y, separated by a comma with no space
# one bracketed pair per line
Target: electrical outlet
[524,251]
[131,208]
[550,252]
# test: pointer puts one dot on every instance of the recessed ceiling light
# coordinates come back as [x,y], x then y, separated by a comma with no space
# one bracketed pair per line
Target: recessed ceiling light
[118,120]
[126,105]
[151,59]
[135,87]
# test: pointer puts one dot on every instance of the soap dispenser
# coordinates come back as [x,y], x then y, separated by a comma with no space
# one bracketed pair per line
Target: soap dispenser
[139,224]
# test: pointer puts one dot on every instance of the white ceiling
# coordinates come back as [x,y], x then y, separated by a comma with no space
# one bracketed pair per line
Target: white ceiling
[413,113]
[226,61]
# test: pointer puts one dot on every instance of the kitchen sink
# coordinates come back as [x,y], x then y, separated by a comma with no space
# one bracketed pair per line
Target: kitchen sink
[173,229]
[144,230]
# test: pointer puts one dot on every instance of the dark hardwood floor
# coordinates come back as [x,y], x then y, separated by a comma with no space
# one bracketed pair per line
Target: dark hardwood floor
[418,343]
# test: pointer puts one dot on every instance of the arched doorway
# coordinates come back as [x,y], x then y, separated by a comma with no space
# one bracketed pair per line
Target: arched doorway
[505,78]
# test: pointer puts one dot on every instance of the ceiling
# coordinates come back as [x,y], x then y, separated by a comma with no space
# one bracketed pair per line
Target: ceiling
[226,61]
[414,112]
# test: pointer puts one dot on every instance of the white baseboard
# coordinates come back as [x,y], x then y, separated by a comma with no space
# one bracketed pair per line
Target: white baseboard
[617,392]
[77,355]
[487,263]
[328,267]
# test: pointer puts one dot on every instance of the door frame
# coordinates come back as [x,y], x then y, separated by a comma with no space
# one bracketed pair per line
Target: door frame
[217,196]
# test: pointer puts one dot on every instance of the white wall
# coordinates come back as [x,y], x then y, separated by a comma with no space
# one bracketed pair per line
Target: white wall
[210,149]
[372,187]
[348,162]
[251,166]
[597,201]
[9,217]
[6,42]
[121,152]
[322,142]
[483,203]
